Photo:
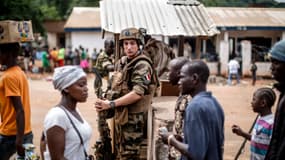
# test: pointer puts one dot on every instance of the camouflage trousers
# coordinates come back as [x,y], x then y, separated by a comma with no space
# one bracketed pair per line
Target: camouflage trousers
[130,138]
[174,154]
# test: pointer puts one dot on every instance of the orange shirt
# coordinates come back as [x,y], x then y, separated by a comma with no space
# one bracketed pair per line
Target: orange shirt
[54,54]
[13,82]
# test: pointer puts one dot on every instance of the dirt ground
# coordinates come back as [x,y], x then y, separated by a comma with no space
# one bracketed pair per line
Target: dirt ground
[235,101]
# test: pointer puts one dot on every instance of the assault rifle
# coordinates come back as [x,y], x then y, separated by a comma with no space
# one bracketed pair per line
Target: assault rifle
[103,146]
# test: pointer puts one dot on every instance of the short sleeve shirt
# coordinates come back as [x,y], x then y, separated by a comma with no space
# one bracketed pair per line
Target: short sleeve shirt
[261,136]
[141,77]
[73,148]
[13,82]
[204,127]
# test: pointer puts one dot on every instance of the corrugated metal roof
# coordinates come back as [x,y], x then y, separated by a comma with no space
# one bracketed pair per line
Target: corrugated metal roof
[254,17]
[84,17]
[158,17]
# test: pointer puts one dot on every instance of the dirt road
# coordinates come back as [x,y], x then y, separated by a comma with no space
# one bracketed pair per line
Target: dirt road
[235,101]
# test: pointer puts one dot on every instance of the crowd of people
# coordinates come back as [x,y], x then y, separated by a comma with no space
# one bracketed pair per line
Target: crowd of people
[199,117]
[57,57]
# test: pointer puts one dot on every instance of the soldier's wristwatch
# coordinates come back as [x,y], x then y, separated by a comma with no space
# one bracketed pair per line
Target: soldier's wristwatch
[112,104]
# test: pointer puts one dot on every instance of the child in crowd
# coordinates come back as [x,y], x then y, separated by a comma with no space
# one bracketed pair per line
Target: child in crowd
[262,102]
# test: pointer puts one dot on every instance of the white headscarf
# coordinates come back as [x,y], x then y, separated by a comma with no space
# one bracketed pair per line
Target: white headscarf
[65,76]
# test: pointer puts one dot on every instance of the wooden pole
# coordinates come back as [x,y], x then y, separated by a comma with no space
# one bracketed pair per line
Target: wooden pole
[180,46]
[117,47]
[198,48]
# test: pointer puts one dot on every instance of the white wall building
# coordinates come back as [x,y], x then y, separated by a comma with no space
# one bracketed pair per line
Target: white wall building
[83,28]
[248,33]
[55,33]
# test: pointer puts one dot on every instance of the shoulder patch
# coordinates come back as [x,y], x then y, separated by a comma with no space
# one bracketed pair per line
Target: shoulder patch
[147,78]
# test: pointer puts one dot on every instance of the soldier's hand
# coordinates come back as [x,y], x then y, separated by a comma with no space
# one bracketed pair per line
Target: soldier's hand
[101,105]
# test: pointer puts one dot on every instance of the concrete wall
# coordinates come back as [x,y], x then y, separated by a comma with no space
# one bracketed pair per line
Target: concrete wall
[222,47]
[224,56]
[52,40]
[213,66]
[246,57]
[67,39]
[263,69]
[88,40]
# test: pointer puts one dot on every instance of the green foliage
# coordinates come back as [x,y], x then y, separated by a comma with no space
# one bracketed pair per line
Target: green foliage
[85,3]
[61,6]
[80,3]
[50,12]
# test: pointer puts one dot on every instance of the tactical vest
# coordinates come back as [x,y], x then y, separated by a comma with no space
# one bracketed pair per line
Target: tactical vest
[121,85]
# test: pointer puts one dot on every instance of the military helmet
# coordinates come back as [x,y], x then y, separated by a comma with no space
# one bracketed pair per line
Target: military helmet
[132,33]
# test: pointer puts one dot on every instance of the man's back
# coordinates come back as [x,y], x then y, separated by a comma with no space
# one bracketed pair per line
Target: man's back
[204,127]
[233,66]
[13,83]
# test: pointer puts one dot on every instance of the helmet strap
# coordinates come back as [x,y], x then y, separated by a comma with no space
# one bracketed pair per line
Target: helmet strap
[139,52]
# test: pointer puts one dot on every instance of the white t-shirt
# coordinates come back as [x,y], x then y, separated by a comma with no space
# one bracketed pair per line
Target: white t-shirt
[233,66]
[73,148]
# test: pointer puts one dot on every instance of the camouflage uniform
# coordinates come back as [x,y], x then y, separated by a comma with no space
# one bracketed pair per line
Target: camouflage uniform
[131,121]
[180,108]
[103,60]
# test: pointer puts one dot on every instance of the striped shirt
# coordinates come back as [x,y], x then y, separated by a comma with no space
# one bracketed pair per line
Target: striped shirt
[261,136]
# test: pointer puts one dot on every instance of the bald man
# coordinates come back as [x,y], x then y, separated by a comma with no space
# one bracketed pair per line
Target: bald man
[174,67]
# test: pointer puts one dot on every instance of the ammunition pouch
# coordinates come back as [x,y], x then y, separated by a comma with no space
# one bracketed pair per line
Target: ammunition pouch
[121,115]
[108,113]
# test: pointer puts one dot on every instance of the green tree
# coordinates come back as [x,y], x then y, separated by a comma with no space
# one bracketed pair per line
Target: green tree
[64,7]
[81,3]
[50,12]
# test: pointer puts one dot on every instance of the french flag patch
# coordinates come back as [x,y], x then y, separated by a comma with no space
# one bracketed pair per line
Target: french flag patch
[147,78]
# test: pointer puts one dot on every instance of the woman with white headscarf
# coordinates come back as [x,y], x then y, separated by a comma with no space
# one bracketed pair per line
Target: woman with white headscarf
[66,132]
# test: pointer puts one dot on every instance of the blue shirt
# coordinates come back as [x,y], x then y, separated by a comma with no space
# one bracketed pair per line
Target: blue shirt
[204,128]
